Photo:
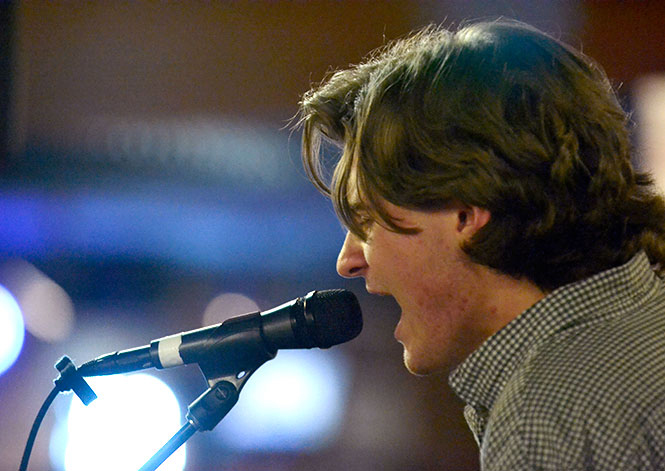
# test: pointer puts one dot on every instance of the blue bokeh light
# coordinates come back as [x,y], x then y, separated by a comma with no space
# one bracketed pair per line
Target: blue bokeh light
[12,330]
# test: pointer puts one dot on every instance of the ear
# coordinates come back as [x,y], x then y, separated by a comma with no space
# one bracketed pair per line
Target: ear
[470,219]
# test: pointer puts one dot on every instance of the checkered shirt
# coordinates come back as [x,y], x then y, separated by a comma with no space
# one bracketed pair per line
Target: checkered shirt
[577,381]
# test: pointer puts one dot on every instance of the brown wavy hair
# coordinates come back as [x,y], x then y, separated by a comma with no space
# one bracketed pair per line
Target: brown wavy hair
[497,115]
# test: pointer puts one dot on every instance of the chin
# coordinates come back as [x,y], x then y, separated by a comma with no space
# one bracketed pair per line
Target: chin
[424,365]
[415,367]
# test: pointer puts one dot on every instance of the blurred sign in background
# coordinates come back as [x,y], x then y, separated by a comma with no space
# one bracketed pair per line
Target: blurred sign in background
[150,183]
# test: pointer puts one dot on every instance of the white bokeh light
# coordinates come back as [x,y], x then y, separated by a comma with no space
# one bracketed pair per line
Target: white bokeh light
[132,418]
[12,330]
[650,105]
[294,402]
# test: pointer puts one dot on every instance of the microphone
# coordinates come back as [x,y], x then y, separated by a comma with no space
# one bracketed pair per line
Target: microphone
[319,319]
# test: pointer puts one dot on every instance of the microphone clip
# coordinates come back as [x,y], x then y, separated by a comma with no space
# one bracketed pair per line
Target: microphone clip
[212,406]
[70,378]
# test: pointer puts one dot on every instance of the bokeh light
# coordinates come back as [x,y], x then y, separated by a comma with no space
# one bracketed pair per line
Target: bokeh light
[228,305]
[650,106]
[132,418]
[49,312]
[12,330]
[292,403]
[47,309]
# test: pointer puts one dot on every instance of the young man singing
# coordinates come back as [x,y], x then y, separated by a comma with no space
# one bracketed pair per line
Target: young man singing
[485,179]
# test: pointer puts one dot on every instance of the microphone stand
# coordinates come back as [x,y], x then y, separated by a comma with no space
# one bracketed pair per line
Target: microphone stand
[208,409]
[202,414]
[185,432]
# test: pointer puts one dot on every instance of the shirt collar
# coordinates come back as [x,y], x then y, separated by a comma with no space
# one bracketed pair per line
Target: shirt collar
[479,380]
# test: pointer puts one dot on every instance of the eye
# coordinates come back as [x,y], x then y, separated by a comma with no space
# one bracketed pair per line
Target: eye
[364,220]
[366,226]
[361,220]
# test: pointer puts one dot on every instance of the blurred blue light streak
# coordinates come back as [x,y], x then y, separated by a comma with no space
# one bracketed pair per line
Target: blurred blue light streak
[177,226]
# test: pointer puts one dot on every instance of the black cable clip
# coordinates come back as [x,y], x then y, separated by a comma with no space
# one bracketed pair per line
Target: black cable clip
[70,378]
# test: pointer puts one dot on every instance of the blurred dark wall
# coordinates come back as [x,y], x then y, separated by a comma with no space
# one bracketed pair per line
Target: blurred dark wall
[626,37]
[6,47]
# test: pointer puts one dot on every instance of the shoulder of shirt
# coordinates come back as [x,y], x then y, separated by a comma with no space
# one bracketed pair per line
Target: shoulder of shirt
[598,385]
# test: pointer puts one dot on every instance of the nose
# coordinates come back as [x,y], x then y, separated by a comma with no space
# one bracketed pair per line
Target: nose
[351,261]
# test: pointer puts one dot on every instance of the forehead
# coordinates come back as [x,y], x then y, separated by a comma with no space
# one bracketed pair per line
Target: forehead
[361,202]
[357,196]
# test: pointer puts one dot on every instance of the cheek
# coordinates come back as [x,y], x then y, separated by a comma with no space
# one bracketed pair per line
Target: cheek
[441,286]
[438,311]
[384,259]
[442,302]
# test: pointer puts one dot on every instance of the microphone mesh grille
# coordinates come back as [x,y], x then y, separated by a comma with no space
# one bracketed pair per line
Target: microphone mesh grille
[337,316]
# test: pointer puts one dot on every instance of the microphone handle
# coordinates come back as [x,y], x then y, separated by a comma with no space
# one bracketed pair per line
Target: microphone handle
[123,361]
[238,341]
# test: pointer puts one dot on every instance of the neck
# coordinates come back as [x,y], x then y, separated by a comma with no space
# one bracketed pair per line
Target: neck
[508,297]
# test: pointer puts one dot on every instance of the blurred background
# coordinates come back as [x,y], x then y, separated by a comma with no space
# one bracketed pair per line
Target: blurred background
[150,183]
